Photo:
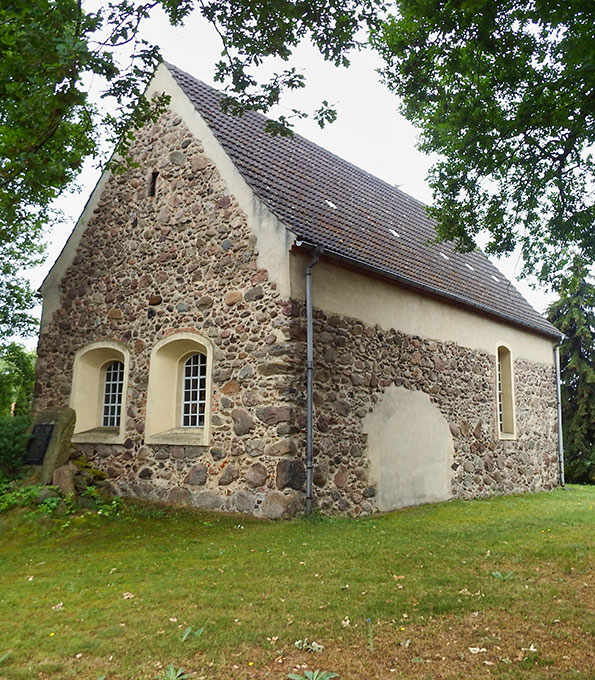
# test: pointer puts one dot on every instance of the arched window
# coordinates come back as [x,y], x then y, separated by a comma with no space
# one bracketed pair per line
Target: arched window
[179,392]
[99,385]
[505,396]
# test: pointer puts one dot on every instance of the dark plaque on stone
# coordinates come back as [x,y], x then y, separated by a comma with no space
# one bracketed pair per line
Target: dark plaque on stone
[50,445]
[38,444]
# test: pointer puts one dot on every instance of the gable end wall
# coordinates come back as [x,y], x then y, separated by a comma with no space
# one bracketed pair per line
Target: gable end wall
[185,260]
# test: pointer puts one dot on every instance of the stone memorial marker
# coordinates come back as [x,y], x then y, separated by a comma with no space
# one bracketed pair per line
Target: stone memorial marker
[38,444]
[51,442]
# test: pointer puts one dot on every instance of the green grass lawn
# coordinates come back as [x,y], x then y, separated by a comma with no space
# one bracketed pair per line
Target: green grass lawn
[494,588]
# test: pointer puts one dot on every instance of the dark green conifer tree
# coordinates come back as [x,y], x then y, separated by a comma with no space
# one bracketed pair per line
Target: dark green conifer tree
[574,315]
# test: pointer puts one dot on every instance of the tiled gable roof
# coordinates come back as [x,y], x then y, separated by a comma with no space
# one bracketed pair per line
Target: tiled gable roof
[355,216]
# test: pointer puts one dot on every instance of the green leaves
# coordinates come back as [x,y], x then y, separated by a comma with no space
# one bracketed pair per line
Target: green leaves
[48,125]
[173,673]
[51,49]
[251,32]
[190,632]
[308,646]
[314,675]
[17,375]
[14,496]
[502,95]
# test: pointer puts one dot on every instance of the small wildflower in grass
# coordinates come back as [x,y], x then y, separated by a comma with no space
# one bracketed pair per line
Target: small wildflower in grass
[308,646]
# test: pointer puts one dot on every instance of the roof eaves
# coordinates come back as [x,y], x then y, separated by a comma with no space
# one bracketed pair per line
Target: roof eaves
[410,283]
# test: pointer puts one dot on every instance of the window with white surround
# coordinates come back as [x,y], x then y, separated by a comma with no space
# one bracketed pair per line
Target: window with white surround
[179,391]
[98,394]
[505,393]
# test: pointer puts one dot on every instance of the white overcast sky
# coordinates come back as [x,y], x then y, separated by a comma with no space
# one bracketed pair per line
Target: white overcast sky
[369,132]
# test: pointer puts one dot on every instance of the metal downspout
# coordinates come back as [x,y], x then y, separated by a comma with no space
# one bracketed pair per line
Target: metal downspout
[310,382]
[559,400]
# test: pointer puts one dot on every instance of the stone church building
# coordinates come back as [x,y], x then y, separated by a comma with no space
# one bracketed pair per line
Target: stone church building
[175,323]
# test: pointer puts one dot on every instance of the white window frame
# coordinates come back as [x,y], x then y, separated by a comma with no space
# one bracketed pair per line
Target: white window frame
[193,385]
[88,391]
[165,398]
[113,383]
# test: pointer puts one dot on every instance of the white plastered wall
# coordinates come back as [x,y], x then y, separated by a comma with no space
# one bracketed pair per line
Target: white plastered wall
[339,291]
[410,449]
[273,240]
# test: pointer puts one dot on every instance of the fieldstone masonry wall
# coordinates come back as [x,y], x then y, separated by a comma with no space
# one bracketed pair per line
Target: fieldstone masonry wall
[185,260]
[355,363]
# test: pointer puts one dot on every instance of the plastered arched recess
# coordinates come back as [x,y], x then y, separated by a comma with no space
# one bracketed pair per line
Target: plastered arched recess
[410,449]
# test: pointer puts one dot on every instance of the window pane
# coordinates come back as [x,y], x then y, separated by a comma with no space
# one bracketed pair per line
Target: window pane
[193,398]
[112,394]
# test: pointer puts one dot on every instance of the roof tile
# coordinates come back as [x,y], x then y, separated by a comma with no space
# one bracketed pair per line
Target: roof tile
[327,201]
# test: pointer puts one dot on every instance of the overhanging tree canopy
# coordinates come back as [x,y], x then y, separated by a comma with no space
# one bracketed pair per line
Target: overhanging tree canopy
[51,49]
[48,125]
[503,91]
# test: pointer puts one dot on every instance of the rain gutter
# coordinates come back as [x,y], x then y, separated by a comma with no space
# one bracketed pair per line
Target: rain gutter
[310,380]
[559,406]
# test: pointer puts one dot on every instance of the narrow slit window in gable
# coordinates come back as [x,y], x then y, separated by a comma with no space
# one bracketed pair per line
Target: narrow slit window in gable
[153,182]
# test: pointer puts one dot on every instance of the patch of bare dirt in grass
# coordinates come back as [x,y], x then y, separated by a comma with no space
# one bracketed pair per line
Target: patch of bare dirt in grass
[505,644]
[482,646]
